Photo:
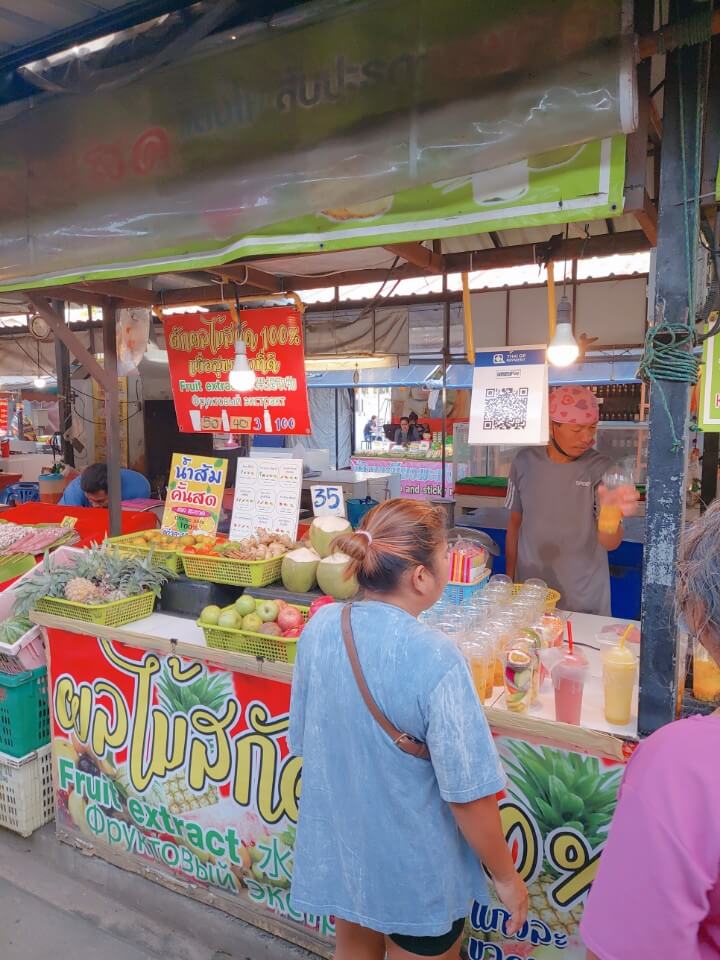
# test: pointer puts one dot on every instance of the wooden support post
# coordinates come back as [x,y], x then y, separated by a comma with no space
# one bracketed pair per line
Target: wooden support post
[64,389]
[112,418]
[685,81]
[74,344]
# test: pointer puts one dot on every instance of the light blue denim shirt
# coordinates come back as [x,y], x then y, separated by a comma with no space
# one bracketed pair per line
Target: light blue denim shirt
[377,843]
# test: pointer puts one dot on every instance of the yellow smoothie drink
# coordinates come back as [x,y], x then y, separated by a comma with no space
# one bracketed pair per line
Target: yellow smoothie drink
[609,519]
[619,671]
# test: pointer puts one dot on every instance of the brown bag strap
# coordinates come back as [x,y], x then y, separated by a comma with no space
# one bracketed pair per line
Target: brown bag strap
[406,743]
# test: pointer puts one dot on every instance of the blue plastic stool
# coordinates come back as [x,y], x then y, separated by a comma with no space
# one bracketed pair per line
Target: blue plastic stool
[23,492]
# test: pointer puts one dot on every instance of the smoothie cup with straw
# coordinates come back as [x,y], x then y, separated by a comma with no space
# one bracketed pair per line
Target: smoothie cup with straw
[619,672]
[568,676]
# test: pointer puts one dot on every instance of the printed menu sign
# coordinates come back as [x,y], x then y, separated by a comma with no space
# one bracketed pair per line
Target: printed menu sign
[509,402]
[267,494]
[194,496]
[201,353]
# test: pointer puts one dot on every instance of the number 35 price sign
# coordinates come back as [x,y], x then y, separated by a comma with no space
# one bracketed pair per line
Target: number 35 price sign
[327,500]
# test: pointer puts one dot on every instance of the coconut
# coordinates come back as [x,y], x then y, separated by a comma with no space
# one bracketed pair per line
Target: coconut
[323,531]
[331,577]
[298,570]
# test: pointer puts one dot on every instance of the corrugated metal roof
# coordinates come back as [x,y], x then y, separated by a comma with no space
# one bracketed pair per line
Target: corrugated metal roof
[24,22]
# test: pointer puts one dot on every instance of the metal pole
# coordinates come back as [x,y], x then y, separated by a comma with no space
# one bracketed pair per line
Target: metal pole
[64,388]
[446,350]
[684,78]
[112,418]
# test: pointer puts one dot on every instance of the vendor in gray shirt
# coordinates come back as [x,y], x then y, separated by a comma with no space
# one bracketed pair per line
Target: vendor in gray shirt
[554,495]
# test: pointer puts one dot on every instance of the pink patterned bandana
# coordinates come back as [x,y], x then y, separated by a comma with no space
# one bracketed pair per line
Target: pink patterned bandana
[572,404]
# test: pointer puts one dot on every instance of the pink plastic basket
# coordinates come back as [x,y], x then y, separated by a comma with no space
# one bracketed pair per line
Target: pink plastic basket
[27,653]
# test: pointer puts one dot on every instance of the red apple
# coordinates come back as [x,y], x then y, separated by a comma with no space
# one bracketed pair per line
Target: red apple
[293,632]
[289,618]
[270,629]
[316,604]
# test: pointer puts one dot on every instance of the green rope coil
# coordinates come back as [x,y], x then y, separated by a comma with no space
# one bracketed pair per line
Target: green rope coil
[668,355]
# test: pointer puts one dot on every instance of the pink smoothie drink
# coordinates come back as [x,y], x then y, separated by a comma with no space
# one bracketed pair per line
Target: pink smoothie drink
[568,677]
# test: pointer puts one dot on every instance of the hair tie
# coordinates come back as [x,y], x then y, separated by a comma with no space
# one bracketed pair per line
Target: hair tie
[364,533]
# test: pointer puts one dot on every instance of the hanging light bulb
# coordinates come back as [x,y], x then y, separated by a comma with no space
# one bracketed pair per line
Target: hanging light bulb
[242,376]
[563,348]
[39,383]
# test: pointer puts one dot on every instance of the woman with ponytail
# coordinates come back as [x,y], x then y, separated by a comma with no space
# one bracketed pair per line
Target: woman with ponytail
[398,815]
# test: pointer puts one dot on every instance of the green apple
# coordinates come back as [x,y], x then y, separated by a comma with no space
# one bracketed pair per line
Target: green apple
[245,605]
[228,618]
[210,615]
[267,610]
[251,622]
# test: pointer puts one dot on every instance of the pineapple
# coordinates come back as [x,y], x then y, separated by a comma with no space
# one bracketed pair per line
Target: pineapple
[561,790]
[81,590]
[209,691]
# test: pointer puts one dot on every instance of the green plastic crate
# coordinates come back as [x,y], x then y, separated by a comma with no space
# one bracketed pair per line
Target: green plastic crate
[24,712]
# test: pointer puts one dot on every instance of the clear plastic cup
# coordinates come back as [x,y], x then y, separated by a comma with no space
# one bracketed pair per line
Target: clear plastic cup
[619,674]
[518,669]
[479,659]
[568,676]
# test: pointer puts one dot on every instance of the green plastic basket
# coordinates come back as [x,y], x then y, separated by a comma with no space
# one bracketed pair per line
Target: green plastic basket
[24,712]
[233,573]
[282,649]
[115,614]
[162,558]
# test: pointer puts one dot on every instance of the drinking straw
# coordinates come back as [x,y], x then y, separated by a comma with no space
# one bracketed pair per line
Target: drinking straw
[626,634]
[570,637]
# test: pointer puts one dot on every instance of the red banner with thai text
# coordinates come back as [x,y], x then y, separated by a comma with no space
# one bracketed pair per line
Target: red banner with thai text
[201,353]
[4,414]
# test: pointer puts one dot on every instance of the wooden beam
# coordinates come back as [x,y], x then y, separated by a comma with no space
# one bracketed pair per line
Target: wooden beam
[671,37]
[711,142]
[248,276]
[604,245]
[655,124]
[68,337]
[121,291]
[647,218]
[637,142]
[73,295]
[417,255]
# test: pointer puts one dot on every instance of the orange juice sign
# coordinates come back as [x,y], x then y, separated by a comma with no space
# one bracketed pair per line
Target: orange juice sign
[194,496]
[201,353]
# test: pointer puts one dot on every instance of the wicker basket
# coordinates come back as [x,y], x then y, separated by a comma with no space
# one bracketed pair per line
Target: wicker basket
[551,599]
[114,614]
[27,800]
[167,558]
[233,573]
[282,649]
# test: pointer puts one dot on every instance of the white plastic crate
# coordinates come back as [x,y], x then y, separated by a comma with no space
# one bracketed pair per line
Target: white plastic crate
[27,800]
[25,654]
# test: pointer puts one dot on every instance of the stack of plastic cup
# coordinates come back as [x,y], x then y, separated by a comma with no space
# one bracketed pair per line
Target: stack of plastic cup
[477,655]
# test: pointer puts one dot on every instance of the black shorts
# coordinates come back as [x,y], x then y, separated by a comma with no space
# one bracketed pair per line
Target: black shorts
[430,946]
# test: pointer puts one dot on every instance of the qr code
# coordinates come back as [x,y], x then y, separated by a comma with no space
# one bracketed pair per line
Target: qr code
[505,408]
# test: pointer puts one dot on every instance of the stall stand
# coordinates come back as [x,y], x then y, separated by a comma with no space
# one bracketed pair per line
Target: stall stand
[171,761]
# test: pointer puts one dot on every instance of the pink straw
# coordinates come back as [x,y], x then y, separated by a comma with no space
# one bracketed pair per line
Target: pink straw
[570,637]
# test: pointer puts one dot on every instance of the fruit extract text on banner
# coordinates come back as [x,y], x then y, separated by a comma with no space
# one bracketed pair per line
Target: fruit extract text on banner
[510,397]
[201,353]
[181,769]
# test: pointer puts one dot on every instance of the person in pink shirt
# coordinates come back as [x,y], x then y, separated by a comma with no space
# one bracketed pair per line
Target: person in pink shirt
[657,892]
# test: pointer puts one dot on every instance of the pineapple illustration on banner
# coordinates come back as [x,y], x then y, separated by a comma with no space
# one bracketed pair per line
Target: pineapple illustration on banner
[556,812]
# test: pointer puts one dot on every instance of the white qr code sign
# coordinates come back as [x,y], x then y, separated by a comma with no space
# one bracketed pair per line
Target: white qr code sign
[510,397]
